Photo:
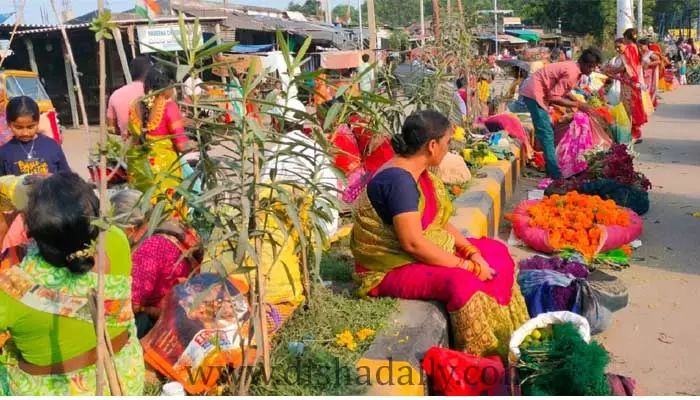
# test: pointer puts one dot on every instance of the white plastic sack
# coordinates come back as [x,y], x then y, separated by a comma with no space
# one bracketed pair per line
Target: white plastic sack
[543,321]
[614,94]
[289,166]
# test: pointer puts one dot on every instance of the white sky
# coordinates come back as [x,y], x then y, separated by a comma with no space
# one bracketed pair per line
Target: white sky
[32,13]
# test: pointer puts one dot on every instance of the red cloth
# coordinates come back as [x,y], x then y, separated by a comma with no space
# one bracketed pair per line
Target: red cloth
[157,266]
[452,286]
[348,156]
[454,373]
[373,159]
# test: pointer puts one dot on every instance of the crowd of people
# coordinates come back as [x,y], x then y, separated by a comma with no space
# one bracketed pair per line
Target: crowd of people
[402,241]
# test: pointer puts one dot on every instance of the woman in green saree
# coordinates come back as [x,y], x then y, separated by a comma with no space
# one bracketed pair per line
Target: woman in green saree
[44,299]
[405,247]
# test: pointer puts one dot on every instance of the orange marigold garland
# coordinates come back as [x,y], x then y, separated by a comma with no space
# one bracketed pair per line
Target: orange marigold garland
[572,220]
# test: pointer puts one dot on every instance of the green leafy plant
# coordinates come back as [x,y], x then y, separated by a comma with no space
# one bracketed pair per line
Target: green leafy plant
[102,25]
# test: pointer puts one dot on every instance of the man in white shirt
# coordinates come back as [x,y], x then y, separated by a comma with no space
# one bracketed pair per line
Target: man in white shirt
[368,78]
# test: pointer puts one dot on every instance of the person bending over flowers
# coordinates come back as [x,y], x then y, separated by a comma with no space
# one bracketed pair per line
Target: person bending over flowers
[405,247]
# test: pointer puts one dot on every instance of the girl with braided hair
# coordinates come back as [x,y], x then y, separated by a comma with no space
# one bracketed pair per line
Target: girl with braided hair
[157,133]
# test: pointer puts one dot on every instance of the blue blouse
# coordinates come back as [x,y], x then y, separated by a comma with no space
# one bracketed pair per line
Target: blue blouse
[393,191]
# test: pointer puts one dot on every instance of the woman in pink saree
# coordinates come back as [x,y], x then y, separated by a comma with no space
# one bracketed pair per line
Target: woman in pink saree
[651,63]
[405,247]
[157,133]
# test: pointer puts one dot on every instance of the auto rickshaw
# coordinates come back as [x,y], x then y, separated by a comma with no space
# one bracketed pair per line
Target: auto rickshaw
[26,83]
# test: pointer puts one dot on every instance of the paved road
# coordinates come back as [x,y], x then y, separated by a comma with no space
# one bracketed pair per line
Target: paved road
[656,338]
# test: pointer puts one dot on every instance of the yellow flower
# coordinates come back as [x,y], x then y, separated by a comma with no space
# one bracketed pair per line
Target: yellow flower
[364,334]
[459,134]
[345,339]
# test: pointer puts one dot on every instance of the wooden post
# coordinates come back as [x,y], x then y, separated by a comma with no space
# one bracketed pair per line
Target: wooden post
[71,87]
[436,20]
[117,33]
[217,31]
[101,254]
[132,42]
[372,25]
[30,52]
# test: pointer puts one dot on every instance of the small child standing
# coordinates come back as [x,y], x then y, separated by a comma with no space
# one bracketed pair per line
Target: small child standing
[29,152]
[682,71]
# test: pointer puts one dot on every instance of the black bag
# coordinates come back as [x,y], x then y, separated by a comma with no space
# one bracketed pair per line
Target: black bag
[586,298]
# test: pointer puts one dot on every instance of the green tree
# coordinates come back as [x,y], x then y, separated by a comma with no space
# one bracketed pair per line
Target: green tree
[399,40]
[341,11]
[310,7]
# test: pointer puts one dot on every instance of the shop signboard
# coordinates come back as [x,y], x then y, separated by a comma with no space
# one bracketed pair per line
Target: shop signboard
[153,38]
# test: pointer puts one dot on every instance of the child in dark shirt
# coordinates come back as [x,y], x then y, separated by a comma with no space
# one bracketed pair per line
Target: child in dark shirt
[29,152]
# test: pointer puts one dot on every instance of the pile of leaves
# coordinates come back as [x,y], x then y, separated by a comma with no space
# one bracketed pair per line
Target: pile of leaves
[563,365]
[572,220]
[563,296]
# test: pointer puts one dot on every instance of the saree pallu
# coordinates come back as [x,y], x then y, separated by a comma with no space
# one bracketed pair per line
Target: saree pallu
[632,91]
[651,78]
[483,315]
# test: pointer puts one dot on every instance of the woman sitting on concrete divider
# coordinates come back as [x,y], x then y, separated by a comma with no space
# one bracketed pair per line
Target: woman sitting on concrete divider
[405,247]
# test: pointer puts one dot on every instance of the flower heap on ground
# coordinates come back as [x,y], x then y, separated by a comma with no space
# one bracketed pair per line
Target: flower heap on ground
[616,164]
[572,220]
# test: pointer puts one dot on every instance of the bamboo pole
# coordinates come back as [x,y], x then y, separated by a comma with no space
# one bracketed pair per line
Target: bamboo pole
[436,20]
[18,19]
[76,77]
[101,256]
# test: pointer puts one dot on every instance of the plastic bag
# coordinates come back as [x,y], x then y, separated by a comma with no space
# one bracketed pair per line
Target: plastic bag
[543,321]
[454,373]
[614,93]
[200,331]
[598,317]
[577,140]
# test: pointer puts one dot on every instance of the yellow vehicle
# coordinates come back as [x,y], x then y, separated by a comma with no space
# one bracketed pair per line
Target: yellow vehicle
[26,83]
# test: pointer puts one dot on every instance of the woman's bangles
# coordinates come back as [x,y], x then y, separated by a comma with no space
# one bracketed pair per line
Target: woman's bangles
[468,251]
[470,266]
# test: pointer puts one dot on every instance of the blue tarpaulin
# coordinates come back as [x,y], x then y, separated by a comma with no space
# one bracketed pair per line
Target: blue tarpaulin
[251,48]
[4,17]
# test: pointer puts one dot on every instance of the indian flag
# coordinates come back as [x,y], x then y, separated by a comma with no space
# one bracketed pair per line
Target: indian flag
[147,9]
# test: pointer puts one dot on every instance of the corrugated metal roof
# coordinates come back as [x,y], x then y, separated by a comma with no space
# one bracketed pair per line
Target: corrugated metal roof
[30,29]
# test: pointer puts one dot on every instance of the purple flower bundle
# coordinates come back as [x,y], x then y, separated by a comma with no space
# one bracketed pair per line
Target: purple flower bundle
[563,296]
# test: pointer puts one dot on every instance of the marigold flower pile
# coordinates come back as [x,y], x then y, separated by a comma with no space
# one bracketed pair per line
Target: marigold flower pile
[572,220]
[347,339]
